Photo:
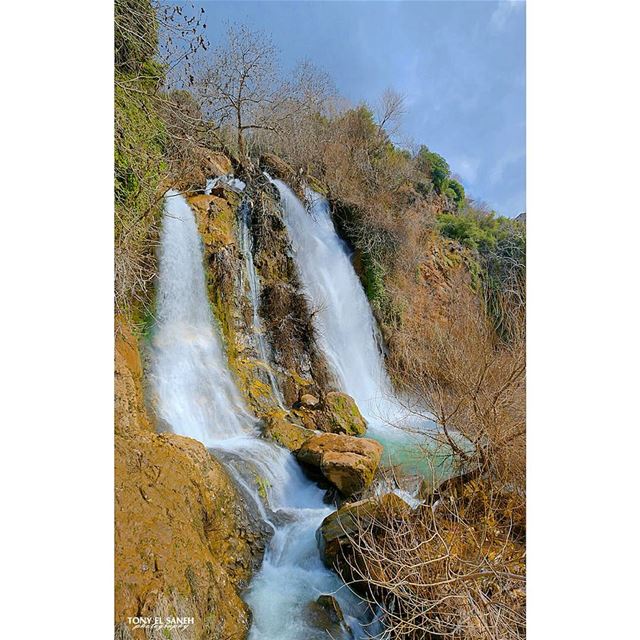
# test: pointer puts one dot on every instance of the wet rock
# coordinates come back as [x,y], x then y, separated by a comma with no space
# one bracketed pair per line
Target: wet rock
[348,463]
[284,432]
[326,615]
[343,415]
[342,525]
[309,401]
[332,607]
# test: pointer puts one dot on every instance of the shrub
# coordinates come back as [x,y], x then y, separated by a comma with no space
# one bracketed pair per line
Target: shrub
[465,229]
[455,191]
[435,167]
[139,150]
[373,279]
[135,35]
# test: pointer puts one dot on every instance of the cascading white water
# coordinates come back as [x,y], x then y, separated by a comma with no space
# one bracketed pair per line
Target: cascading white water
[194,392]
[246,247]
[195,395]
[347,331]
[345,326]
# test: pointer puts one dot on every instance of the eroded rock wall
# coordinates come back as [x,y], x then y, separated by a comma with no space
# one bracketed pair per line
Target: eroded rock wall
[296,363]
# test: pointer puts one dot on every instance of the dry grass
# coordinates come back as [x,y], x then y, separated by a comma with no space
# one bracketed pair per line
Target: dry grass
[451,569]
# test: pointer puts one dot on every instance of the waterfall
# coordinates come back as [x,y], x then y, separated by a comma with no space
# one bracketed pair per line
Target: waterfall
[344,323]
[195,395]
[246,247]
[347,331]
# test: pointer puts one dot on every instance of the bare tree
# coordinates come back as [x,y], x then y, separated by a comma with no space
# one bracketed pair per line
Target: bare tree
[241,81]
[242,85]
[392,107]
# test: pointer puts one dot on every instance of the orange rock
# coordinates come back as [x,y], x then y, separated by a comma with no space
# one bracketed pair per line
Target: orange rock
[348,463]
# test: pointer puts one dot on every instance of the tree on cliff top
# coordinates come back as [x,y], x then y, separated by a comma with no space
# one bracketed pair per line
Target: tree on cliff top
[243,85]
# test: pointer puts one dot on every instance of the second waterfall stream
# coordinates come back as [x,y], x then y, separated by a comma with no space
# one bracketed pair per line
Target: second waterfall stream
[195,395]
[348,334]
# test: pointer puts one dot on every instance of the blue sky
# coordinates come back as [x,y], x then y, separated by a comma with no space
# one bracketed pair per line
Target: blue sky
[460,64]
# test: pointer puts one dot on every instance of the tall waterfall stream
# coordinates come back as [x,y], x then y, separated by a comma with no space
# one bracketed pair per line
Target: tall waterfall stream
[195,395]
[348,335]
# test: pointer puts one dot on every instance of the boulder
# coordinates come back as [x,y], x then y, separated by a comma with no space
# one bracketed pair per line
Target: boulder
[287,434]
[343,415]
[326,615]
[337,528]
[348,463]
[336,413]
[309,401]
[324,622]
[332,607]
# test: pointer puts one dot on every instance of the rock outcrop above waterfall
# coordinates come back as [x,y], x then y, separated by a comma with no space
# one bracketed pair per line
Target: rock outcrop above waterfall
[348,463]
[342,526]
[277,168]
[198,165]
[185,542]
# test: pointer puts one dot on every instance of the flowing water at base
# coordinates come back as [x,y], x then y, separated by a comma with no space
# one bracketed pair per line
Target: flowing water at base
[194,395]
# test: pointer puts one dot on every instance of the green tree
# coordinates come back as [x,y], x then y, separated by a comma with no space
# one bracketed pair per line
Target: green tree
[435,167]
[455,191]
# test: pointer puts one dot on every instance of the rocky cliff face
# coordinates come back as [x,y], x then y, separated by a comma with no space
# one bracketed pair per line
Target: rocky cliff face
[185,544]
[295,362]
[287,322]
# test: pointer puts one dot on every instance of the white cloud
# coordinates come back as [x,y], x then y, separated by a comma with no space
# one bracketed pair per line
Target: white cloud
[502,13]
[466,167]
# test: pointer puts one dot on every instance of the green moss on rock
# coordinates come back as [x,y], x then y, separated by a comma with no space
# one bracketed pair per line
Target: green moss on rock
[289,435]
[343,415]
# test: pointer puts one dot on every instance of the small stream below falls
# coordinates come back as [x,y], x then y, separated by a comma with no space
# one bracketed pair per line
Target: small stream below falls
[195,395]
